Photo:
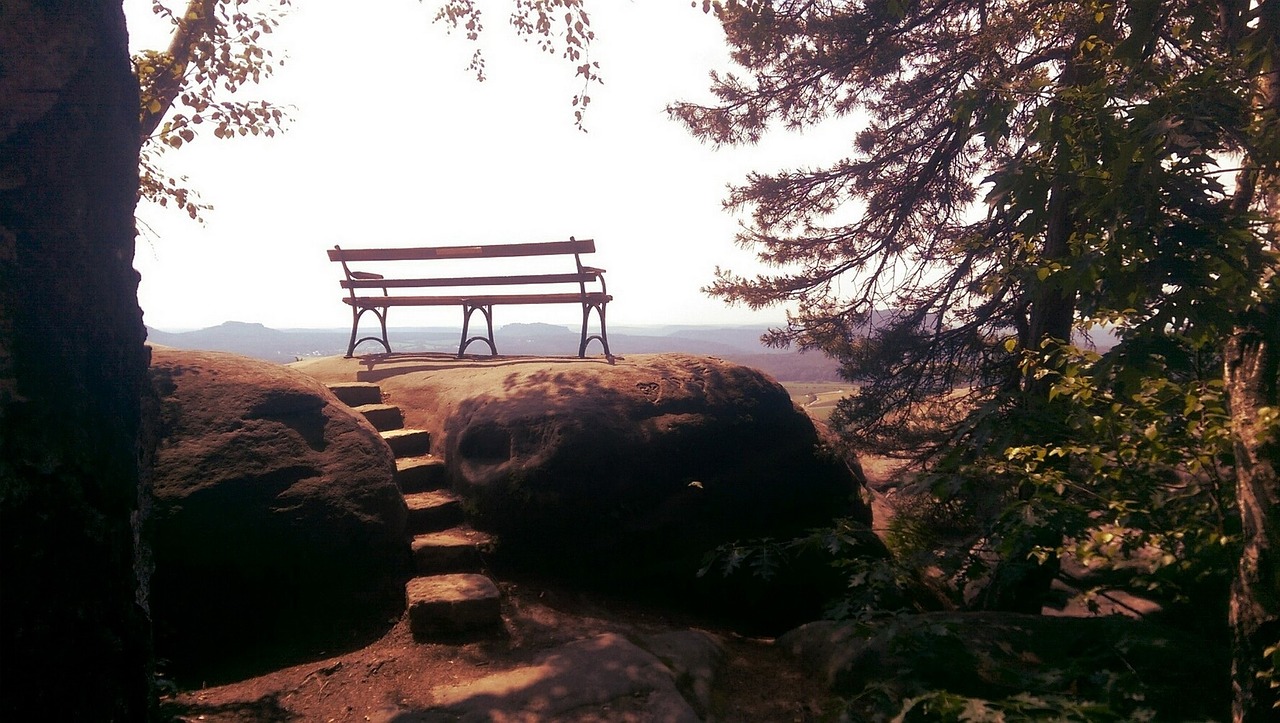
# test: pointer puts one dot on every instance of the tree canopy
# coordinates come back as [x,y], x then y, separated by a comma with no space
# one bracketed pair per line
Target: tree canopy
[1024,165]
[560,27]
[1029,171]
[218,47]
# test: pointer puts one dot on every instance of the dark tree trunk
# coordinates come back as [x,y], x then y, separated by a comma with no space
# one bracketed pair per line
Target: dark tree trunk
[1252,371]
[1053,309]
[1020,581]
[1252,379]
[76,640]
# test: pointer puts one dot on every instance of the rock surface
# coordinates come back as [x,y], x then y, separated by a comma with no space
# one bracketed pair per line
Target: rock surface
[452,604]
[1116,661]
[619,474]
[275,515]
[721,676]
[604,678]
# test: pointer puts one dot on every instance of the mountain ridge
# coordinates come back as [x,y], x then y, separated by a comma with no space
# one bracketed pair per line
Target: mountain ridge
[738,344]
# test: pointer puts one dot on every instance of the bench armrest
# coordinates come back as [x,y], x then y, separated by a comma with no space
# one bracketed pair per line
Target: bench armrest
[364,275]
[598,273]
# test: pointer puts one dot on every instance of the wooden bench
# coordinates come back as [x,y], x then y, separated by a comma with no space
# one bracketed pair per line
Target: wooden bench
[376,293]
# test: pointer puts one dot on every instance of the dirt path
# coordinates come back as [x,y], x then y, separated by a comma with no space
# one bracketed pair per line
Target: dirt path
[392,679]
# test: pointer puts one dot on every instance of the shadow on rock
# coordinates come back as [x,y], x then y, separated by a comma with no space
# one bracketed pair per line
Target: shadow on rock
[276,529]
[624,478]
[607,677]
[1122,666]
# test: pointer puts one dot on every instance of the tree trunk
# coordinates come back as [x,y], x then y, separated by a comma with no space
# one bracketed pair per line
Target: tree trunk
[1252,368]
[1053,308]
[1020,581]
[167,82]
[1252,379]
[75,640]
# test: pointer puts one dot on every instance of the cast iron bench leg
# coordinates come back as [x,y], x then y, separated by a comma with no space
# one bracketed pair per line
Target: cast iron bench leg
[355,327]
[587,306]
[467,311]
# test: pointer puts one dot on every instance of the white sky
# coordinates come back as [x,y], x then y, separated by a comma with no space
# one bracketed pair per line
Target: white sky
[393,142]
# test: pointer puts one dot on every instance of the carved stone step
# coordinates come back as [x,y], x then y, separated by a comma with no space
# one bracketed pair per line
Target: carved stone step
[408,442]
[383,417]
[433,511]
[355,394]
[454,550]
[419,474]
[452,604]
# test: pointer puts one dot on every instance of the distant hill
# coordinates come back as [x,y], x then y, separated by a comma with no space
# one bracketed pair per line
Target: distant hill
[258,341]
[737,344]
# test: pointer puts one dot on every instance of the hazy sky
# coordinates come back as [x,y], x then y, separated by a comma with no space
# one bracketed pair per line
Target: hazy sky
[393,142]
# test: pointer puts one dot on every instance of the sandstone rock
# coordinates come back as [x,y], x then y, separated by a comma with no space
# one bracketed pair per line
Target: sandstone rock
[453,550]
[605,678]
[275,516]
[451,604]
[622,475]
[997,655]
[695,658]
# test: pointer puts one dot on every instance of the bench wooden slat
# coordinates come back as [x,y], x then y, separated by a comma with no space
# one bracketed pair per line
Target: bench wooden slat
[380,283]
[477,300]
[376,298]
[427,253]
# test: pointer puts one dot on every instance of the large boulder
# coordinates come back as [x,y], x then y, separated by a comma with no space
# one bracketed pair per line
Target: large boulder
[276,523]
[642,468]
[623,474]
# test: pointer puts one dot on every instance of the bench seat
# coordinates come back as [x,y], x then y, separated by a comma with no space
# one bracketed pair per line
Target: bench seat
[370,292]
[476,300]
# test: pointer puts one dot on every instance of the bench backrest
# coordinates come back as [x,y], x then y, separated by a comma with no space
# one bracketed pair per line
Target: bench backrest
[363,280]
[427,253]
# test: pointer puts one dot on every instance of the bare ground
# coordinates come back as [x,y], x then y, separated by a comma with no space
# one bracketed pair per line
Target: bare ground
[395,673]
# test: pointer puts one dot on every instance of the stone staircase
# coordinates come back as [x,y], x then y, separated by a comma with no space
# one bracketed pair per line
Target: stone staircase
[449,595]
